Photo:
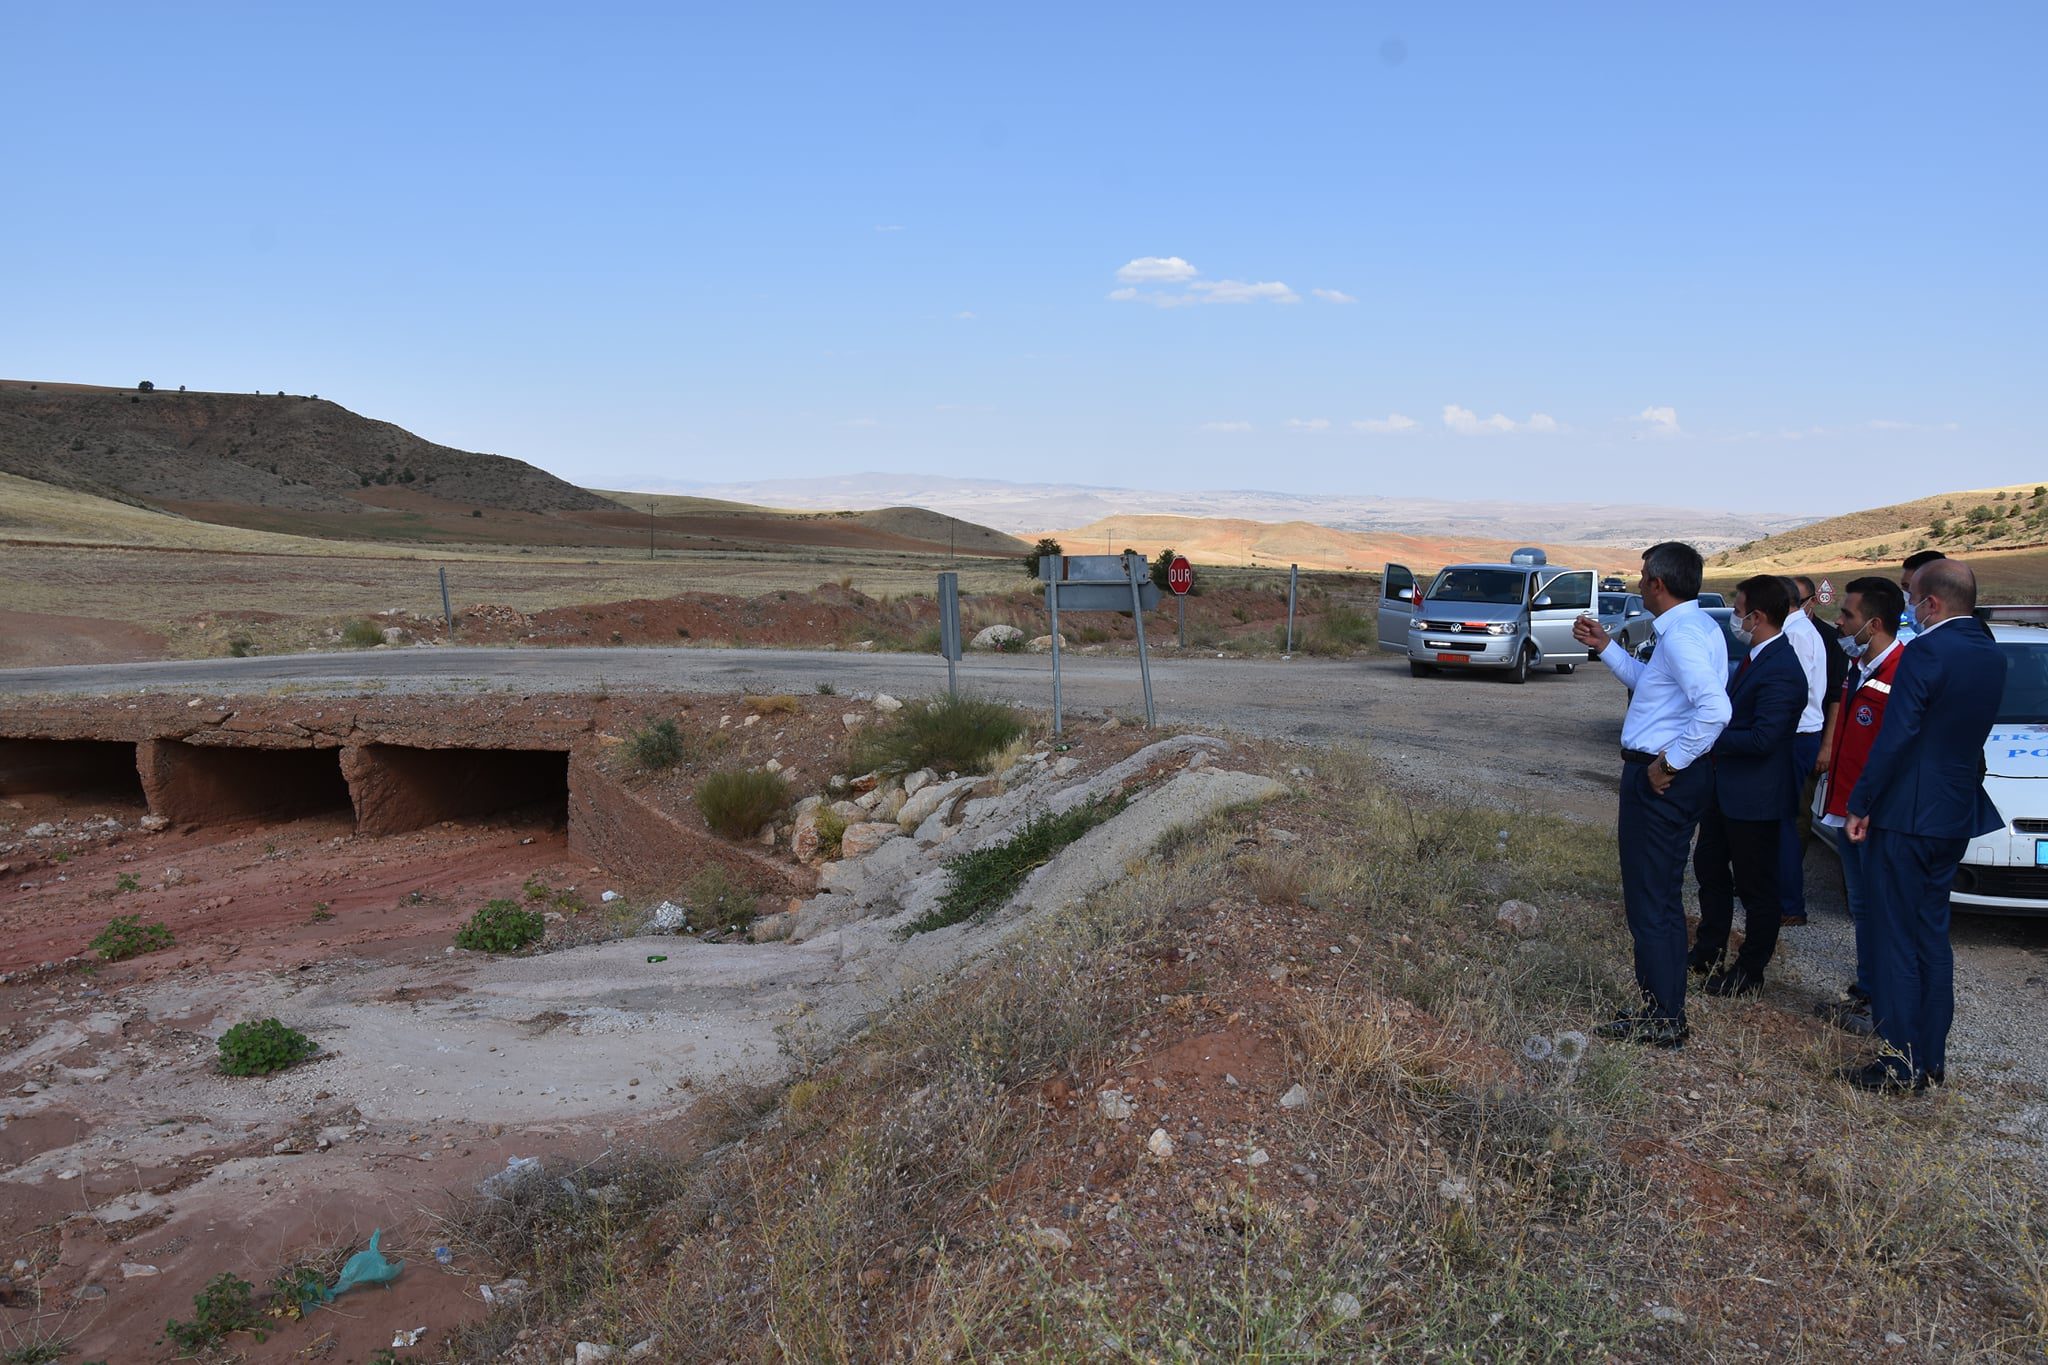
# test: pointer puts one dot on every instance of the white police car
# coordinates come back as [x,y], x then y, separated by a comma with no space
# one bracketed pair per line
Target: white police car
[2006,872]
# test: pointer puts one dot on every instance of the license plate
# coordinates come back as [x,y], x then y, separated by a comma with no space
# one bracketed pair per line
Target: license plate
[1463,658]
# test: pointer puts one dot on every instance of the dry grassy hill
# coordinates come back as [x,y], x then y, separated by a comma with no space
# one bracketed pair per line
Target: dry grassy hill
[901,526]
[1233,541]
[2002,531]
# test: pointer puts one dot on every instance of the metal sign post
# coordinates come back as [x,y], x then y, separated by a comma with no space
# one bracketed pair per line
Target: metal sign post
[949,629]
[1180,577]
[1097,583]
[1293,578]
[447,612]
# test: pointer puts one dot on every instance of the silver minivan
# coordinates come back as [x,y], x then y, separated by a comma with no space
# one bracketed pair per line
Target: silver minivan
[1508,617]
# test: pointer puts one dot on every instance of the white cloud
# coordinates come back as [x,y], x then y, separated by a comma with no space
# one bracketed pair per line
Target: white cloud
[1308,424]
[888,227]
[1228,428]
[1172,270]
[1156,270]
[964,315]
[1659,421]
[1392,424]
[1238,291]
[1333,296]
[1466,422]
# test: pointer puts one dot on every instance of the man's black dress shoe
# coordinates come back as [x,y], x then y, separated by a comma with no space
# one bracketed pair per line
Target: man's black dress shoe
[1848,1016]
[1881,1079]
[1648,1029]
[1733,981]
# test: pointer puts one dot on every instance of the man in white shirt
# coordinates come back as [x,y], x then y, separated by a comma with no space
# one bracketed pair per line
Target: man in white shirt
[1803,753]
[1679,709]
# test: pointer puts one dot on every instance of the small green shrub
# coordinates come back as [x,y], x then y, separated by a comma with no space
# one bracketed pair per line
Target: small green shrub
[501,926]
[296,1291]
[831,829]
[226,1305]
[738,801]
[241,646]
[257,1047]
[826,689]
[361,634]
[1339,631]
[985,879]
[127,936]
[777,704]
[659,745]
[126,882]
[716,901]
[958,734]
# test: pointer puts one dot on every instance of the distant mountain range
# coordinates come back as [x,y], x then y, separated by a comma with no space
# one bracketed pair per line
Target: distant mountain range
[1030,509]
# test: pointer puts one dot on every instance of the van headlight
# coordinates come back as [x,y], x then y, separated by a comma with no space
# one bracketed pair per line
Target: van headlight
[1500,628]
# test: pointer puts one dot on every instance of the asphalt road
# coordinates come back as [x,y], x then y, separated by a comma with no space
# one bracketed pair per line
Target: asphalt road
[1552,739]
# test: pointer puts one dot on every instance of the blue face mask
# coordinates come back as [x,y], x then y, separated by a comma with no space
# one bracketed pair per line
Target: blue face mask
[1853,645]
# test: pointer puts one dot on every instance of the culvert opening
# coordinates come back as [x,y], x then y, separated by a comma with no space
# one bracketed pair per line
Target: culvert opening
[209,784]
[397,787]
[95,769]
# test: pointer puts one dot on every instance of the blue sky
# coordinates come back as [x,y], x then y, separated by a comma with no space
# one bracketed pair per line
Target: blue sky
[1772,257]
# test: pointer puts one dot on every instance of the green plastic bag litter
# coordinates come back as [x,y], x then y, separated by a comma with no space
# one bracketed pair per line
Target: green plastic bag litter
[367,1266]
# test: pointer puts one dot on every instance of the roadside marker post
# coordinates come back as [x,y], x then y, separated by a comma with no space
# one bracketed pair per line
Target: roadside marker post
[1293,580]
[949,629]
[447,612]
[1097,583]
[1180,577]
[1826,594]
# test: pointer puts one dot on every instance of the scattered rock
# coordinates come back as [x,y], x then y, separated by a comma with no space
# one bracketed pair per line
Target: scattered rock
[1295,1098]
[1664,1312]
[1894,1339]
[153,824]
[887,704]
[866,837]
[1049,1239]
[773,765]
[508,1291]
[1257,1158]
[1520,918]
[588,1352]
[1455,1188]
[131,1270]
[918,781]
[766,837]
[668,917]
[1115,1104]
[174,876]
[1159,1144]
[997,637]
[852,720]
[42,831]
[1344,1307]
[1064,765]
[771,928]
[608,897]
[1043,644]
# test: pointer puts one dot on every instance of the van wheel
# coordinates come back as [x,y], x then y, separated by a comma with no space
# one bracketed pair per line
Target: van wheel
[1520,672]
[1416,670]
[1567,668]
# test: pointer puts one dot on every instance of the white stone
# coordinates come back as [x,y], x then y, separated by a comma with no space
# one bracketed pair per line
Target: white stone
[1519,918]
[1344,1307]
[131,1270]
[1064,764]
[609,896]
[1257,1158]
[153,824]
[1159,1144]
[887,704]
[866,837]
[1295,1098]
[1043,644]
[852,720]
[669,917]
[773,765]
[997,637]
[589,1352]
[918,781]
[1049,1239]
[1115,1104]
[1664,1312]
[42,831]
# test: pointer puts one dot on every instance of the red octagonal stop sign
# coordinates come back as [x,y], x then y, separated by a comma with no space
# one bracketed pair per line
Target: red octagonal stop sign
[1180,575]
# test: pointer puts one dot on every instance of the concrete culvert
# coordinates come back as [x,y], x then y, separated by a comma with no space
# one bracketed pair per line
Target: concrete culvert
[210,784]
[396,788]
[99,768]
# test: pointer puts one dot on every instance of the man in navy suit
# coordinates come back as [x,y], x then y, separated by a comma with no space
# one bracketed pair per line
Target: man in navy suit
[1754,789]
[1917,805]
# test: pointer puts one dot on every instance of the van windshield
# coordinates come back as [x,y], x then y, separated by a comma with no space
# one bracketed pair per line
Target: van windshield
[2026,685]
[1503,587]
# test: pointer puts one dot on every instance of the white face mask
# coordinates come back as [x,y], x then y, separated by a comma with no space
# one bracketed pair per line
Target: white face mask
[1854,645]
[1739,627]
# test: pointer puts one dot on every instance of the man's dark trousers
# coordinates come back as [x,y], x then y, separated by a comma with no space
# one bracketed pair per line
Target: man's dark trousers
[1801,754]
[1913,997]
[1655,836]
[1737,857]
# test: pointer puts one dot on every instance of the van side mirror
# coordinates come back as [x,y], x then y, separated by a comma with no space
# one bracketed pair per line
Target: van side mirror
[1542,601]
[1634,612]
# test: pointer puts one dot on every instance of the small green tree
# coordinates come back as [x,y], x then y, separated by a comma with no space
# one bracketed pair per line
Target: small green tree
[146,387]
[1980,514]
[1940,526]
[1046,546]
[1160,566]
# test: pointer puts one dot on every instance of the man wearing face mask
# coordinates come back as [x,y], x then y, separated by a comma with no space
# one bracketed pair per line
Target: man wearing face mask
[1909,624]
[1918,803]
[1801,753]
[1738,847]
[1871,608]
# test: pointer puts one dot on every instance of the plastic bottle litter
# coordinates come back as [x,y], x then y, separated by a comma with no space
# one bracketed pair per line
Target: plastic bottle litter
[657,957]
[517,1171]
[367,1266]
[444,1255]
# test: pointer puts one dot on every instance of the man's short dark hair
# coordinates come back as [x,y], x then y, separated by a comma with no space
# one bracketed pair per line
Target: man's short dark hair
[1882,600]
[1805,585]
[1677,566]
[1766,593]
[1921,558]
[1952,581]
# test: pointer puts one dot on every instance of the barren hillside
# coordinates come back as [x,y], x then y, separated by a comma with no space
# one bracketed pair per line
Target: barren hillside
[1233,541]
[1983,523]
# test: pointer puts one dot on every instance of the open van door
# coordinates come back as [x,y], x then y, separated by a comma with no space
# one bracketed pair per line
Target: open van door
[1559,602]
[1397,607]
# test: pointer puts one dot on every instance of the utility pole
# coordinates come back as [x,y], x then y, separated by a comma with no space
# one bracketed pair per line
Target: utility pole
[651,505]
